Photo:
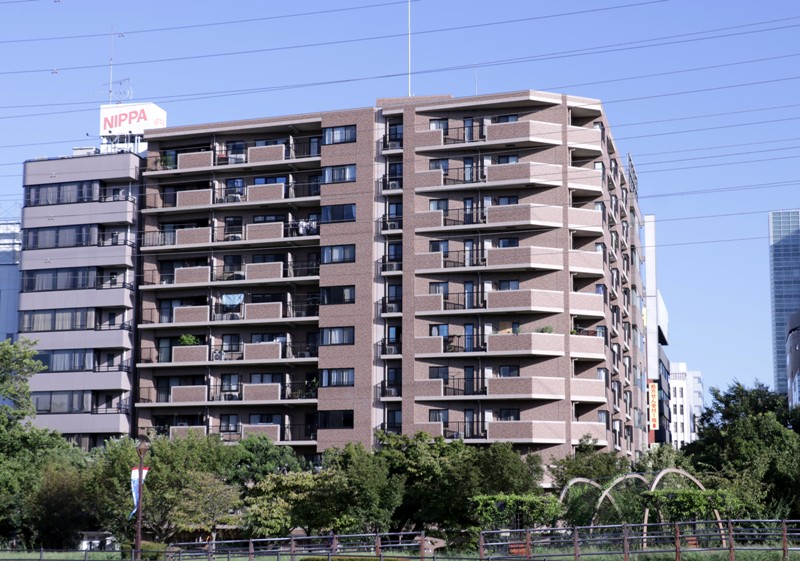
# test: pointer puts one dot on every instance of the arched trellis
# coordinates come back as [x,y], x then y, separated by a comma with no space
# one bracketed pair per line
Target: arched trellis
[587,481]
[694,480]
[607,493]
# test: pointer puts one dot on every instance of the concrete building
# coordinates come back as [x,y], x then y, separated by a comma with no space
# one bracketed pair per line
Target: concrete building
[784,277]
[686,403]
[77,297]
[658,366]
[468,267]
[792,347]
[9,277]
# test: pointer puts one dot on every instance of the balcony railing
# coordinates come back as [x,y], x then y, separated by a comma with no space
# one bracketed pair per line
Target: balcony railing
[457,135]
[392,428]
[392,222]
[463,301]
[463,429]
[392,142]
[463,386]
[225,392]
[391,389]
[464,343]
[460,217]
[391,305]
[299,390]
[391,263]
[461,258]
[302,269]
[301,350]
[457,176]
[114,410]
[392,182]
[391,347]
[124,366]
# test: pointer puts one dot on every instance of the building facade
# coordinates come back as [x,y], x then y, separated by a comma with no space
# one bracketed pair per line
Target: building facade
[686,403]
[784,277]
[467,267]
[658,365]
[793,359]
[9,277]
[77,294]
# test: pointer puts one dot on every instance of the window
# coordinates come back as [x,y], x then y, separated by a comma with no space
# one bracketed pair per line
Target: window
[508,415]
[506,119]
[230,382]
[341,419]
[62,319]
[395,170]
[440,330]
[440,125]
[438,204]
[509,371]
[63,193]
[337,336]
[439,246]
[507,200]
[338,254]
[65,236]
[440,163]
[231,343]
[339,174]
[270,180]
[261,218]
[67,360]
[509,159]
[338,213]
[265,419]
[439,416]
[337,377]
[266,378]
[439,288]
[508,285]
[439,373]
[337,294]
[508,242]
[339,135]
[59,279]
[228,423]
[602,417]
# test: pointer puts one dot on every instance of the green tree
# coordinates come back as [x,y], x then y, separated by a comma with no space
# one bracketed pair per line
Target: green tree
[280,502]
[588,462]
[256,456]
[503,470]
[17,364]
[206,503]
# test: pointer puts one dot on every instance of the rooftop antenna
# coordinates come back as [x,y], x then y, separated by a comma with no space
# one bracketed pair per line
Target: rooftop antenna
[111,68]
[409,48]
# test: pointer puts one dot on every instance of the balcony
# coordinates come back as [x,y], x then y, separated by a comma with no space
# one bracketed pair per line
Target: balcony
[391,264]
[586,263]
[390,390]
[392,183]
[587,390]
[392,142]
[597,431]
[522,344]
[391,428]
[391,223]
[438,388]
[391,347]
[588,344]
[527,388]
[392,305]
[539,432]
[587,304]
[454,430]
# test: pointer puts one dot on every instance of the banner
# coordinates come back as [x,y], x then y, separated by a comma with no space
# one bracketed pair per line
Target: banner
[653,405]
[135,486]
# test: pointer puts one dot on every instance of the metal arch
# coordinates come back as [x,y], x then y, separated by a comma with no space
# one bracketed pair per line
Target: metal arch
[694,480]
[575,480]
[611,499]
[591,482]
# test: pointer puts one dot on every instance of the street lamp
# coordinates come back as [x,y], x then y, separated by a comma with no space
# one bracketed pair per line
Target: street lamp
[141,449]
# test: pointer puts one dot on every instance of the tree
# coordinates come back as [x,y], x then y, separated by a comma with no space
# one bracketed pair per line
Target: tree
[589,463]
[17,364]
[256,456]
[279,502]
[206,503]
[504,470]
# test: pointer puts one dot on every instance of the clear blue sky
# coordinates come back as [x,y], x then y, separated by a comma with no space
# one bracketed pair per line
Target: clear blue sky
[702,93]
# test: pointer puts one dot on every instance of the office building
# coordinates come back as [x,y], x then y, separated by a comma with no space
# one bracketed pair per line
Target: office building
[784,278]
[686,403]
[468,267]
[658,366]
[792,347]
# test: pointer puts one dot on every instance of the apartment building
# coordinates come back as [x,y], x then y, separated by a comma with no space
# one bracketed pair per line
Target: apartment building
[468,267]
[686,403]
[77,293]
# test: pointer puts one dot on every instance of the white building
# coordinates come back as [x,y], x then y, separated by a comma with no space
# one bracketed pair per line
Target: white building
[686,403]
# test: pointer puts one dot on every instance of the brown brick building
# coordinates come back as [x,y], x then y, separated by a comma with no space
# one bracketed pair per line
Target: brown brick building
[468,267]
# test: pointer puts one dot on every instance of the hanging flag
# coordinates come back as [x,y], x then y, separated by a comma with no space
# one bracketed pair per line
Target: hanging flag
[135,487]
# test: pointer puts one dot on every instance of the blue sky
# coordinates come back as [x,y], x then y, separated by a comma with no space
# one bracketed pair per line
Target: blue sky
[703,94]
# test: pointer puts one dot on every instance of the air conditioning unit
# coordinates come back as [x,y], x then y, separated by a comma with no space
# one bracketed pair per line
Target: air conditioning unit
[218,355]
[233,198]
[393,145]
[393,266]
[392,350]
[393,225]
[395,184]
[393,307]
[391,392]
[234,316]
[233,237]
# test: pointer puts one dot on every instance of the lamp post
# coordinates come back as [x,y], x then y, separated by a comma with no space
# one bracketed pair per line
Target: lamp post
[141,449]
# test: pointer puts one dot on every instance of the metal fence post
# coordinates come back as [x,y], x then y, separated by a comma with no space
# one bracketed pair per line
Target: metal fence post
[576,544]
[784,540]
[292,548]
[528,551]
[421,546]
[250,550]
[481,546]
[378,545]
[731,550]
[625,544]
[677,542]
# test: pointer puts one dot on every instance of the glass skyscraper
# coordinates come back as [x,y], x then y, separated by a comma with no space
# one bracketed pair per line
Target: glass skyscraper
[784,268]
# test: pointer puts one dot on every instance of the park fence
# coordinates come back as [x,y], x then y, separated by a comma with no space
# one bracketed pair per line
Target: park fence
[711,540]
